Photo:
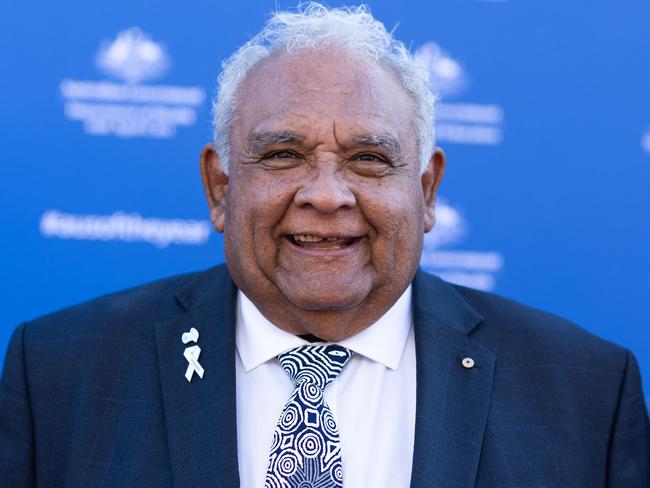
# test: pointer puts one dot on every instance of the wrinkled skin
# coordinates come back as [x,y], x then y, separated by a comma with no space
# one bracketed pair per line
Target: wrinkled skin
[324,207]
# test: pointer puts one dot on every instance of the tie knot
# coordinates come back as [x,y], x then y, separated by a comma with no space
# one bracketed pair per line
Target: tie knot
[315,364]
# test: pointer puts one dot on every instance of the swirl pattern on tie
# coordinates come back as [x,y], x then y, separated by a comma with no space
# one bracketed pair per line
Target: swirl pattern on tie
[306,450]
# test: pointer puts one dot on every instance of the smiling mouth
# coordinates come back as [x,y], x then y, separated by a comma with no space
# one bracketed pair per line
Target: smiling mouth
[309,241]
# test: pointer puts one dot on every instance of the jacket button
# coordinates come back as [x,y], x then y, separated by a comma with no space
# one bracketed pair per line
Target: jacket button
[467,363]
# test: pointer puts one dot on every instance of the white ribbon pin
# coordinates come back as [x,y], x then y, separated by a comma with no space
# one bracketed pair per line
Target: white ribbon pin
[192,354]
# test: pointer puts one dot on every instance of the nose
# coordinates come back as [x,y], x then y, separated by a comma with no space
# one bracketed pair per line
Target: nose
[326,191]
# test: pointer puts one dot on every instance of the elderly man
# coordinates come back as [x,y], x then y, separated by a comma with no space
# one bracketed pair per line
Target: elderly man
[319,356]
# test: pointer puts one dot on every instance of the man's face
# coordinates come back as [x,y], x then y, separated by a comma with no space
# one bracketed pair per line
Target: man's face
[325,206]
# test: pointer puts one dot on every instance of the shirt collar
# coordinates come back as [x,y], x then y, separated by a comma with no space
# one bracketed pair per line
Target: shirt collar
[259,340]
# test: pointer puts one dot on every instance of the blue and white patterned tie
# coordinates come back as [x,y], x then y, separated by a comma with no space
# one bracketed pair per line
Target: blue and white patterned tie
[306,451]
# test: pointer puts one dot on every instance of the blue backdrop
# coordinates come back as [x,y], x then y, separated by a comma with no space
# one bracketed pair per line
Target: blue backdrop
[544,114]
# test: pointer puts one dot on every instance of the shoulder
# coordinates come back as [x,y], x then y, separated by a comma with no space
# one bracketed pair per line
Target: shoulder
[123,314]
[518,334]
[106,344]
[534,336]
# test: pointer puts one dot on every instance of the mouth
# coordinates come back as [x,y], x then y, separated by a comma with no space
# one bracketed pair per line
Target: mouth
[325,243]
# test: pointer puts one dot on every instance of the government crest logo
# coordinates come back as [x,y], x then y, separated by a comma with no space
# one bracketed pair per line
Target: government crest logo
[130,105]
[133,57]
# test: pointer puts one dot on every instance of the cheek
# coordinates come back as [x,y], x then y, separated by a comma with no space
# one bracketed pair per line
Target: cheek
[254,200]
[398,220]
[256,205]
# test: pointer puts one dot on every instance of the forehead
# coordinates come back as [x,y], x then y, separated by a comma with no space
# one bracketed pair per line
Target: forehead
[319,90]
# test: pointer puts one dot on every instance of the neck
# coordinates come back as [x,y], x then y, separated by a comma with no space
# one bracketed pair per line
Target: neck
[311,338]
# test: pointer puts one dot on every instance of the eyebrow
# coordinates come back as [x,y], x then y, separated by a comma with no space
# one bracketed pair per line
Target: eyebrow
[384,141]
[259,141]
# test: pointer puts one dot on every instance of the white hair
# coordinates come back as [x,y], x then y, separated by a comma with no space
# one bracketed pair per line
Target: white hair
[314,26]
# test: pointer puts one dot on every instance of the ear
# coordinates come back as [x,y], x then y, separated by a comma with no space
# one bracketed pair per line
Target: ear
[431,178]
[215,182]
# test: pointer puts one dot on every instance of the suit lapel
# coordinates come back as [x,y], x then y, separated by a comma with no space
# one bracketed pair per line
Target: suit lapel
[201,414]
[452,400]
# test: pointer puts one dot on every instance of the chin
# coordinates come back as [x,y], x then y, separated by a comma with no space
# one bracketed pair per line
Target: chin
[325,301]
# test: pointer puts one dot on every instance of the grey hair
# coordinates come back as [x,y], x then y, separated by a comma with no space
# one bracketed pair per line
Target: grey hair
[312,27]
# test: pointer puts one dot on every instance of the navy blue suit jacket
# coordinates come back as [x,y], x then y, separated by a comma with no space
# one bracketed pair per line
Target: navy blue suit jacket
[95,395]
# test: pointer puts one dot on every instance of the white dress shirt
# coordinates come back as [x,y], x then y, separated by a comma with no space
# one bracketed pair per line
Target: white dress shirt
[373,399]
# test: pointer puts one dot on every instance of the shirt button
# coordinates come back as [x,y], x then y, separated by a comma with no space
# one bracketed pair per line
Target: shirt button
[467,363]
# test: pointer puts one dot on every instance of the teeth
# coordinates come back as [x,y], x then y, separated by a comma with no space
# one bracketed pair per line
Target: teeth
[312,238]
[307,238]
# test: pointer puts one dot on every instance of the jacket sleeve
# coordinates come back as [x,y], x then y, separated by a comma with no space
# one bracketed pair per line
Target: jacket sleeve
[629,449]
[16,432]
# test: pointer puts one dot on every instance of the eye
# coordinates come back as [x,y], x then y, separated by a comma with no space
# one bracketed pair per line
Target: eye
[370,164]
[282,155]
[282,159]
[370,158]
